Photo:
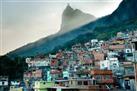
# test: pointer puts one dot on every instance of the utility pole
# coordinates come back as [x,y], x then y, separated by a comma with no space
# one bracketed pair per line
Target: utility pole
[135,69]
[134,47]
[135,75]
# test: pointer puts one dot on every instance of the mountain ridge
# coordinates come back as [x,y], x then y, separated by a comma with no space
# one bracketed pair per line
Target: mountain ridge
[49,44]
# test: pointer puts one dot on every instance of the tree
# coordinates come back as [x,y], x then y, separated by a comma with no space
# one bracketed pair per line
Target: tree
[13,68]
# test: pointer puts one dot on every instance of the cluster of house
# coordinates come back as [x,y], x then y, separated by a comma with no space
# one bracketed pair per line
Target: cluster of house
[4,83]
[110,63]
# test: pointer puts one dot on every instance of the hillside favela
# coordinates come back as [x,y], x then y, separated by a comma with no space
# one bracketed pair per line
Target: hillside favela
[95,48]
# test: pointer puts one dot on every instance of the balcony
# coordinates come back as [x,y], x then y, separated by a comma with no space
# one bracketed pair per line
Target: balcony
[105,81]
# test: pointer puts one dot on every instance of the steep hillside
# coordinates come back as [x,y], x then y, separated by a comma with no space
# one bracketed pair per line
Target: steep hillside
[101,33]
[122,18]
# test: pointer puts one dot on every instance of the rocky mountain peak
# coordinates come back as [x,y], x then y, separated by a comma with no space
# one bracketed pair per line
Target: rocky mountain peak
[73,18]
[68,10]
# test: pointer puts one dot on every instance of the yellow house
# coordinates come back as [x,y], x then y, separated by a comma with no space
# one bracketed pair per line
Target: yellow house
[13,88]
[43,85]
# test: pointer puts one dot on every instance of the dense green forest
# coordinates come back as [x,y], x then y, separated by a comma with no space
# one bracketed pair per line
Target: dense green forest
[13,68]
[101,33]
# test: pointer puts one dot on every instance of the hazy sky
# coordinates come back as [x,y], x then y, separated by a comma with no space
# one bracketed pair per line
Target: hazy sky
[25,21]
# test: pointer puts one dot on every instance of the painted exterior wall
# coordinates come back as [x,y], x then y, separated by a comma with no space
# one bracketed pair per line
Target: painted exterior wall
[98,55]
[109,64]
[43,85]
[116,47]
[65,74]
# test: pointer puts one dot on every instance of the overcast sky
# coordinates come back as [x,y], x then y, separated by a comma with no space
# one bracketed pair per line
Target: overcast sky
[25,21]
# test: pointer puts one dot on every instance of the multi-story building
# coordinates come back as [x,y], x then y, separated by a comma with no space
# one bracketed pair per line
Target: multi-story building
[134,46]
[4,83]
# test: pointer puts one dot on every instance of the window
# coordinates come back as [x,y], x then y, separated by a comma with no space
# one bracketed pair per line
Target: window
[44,82]
[114,65]
[85,82]
[79,82]
[129,70]
[129,54]
[71,82]
[135,45]
[98,77]
[107,77]
[2,83]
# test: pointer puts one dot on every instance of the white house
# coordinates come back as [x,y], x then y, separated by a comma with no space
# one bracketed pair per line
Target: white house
[112,54]
[65,74]
[111,64]
[128,54]
[94,42]
[127,50]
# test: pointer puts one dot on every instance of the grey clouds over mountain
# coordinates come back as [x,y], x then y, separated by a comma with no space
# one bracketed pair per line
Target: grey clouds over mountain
[26,21]
[45,45]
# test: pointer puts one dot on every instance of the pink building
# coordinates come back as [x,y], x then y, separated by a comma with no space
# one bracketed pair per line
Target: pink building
[98,55]
[117,47]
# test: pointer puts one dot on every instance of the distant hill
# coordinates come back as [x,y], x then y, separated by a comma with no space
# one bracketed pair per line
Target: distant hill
[124,17]
[74,18]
